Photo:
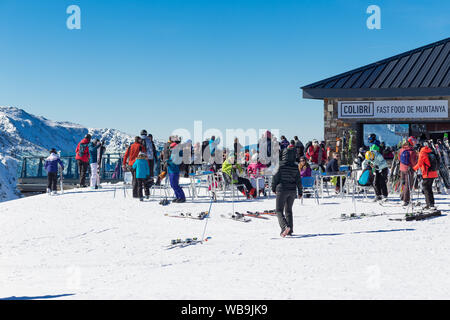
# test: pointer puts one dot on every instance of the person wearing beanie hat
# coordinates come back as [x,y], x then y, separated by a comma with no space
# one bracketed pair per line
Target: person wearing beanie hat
[51,166]
[287,184]
[140,166]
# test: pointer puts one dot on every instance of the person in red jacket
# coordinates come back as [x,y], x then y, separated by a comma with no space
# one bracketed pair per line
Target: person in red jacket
[316,154]
[128,160]
[82,157]
[425,164]
[407,163]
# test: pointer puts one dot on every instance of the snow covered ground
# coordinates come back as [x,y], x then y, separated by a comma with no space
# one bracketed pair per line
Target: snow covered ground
[89,245]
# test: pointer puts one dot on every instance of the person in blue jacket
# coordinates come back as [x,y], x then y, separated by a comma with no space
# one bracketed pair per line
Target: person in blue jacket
[51,166]
[174,176]
[94,145]
[142,173]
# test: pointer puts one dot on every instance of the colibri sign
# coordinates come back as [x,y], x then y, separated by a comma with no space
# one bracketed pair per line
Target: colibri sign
[393,109]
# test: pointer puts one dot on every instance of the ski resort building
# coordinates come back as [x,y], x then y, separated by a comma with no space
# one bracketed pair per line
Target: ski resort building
[407,94]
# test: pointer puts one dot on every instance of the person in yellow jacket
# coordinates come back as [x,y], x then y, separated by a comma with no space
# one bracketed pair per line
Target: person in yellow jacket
[233,171]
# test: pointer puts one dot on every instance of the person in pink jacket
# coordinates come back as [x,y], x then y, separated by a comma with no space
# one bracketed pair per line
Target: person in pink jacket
[254,172]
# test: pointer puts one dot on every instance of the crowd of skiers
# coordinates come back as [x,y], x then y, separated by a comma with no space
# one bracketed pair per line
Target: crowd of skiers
[242,167]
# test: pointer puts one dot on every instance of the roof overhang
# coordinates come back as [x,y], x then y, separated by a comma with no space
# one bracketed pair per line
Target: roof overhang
[323,93]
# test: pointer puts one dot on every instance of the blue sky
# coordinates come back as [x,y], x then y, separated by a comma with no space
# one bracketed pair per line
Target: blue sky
[161,65]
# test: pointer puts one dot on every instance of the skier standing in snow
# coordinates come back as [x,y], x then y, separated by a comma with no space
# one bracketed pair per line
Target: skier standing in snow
[94,145]
[82,157]
[287,184]
[128,160]
[173,169]
[428,165]
[408,159]
[380,169]
[51,166]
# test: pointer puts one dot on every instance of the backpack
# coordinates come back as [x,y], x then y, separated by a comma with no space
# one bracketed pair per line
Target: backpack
[82,149]
[366,178]
[405,158]
[434,161]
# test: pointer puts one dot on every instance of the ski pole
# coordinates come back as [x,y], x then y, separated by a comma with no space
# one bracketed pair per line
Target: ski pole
[207,218]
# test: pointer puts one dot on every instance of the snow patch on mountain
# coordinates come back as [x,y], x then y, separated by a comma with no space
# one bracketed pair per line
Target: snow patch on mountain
[23,134]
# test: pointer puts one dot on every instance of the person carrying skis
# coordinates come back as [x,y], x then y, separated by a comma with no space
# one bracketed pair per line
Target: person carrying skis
[287,185]
[408,159]
[231,172]
[94,145]
[380,169]
[129,158]
[51,166]
[82,157]
[140,166]
[428,164]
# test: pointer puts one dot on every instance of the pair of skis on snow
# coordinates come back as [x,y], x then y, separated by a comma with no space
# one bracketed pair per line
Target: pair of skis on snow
[245,217]
[188,215]
[182,243]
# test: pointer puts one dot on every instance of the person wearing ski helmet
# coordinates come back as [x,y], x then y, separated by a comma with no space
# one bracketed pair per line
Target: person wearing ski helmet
[379,166]
[51,166]
[82,158]
[374,143]
[407,157]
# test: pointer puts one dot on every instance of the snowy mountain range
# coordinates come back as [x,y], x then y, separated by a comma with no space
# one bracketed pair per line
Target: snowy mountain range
[23,134]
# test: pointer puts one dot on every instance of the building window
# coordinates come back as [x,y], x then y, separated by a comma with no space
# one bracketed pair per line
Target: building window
[390,134]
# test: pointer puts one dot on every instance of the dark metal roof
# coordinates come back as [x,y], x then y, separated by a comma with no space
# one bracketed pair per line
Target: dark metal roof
[421,72]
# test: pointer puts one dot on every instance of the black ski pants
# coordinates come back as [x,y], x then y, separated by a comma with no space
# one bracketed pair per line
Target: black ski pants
[284,203]
[143,185]
[82,169]
[52,180]
[380,182]
[427,186]
[245,182]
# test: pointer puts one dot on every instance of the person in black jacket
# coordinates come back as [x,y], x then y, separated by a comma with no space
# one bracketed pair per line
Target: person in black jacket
[287,183]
